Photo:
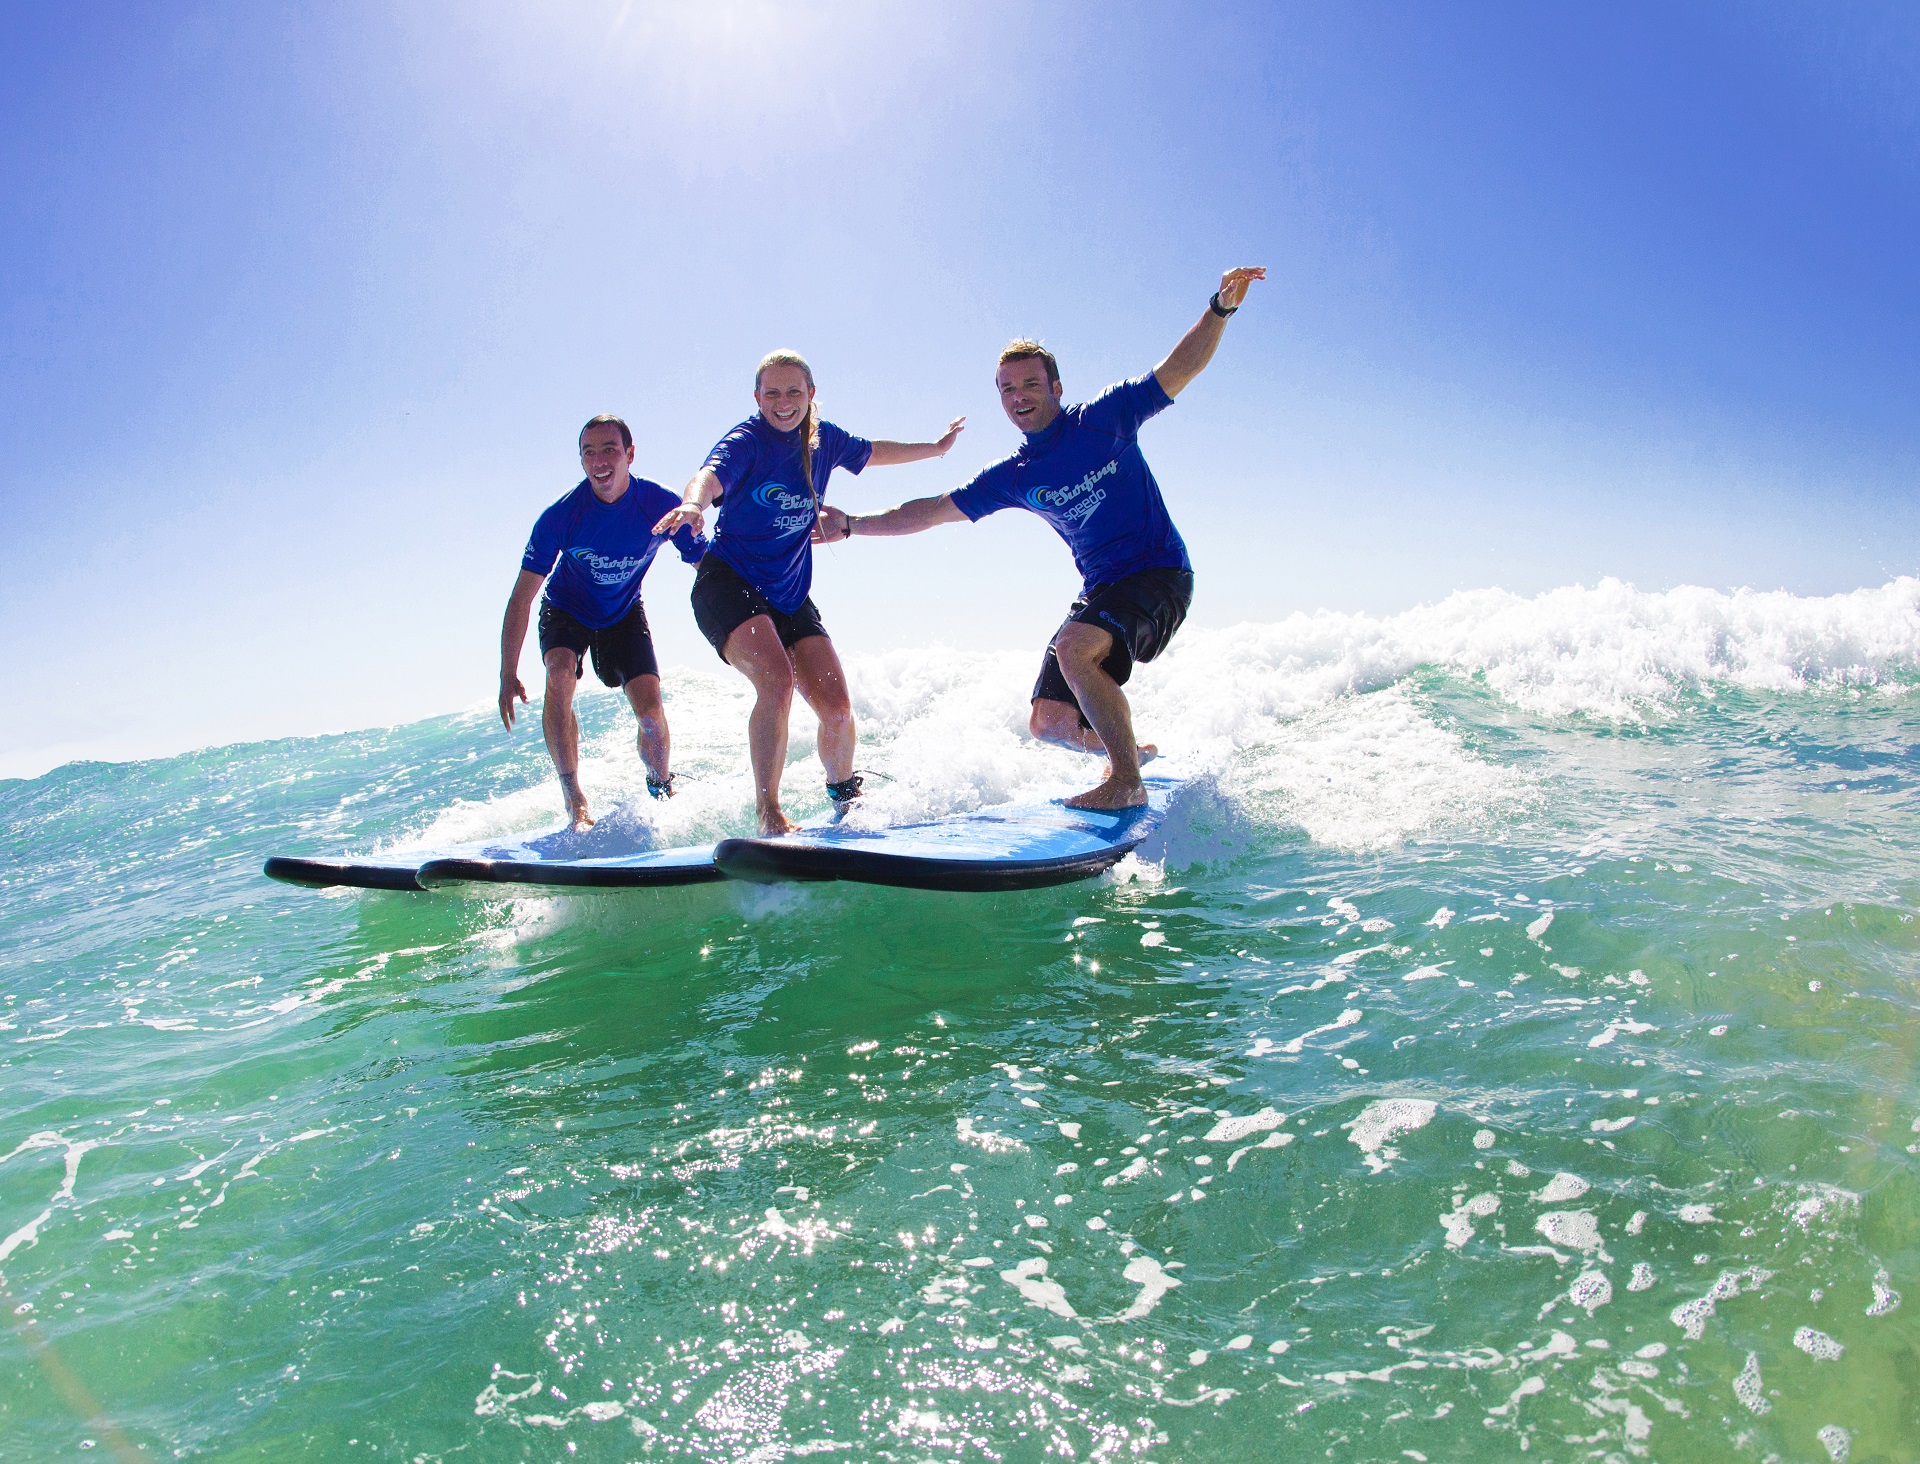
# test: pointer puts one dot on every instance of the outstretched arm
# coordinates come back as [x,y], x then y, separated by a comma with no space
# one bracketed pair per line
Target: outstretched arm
[513,635]
[886,454]
[909,518]
[702,488]
[1188,359]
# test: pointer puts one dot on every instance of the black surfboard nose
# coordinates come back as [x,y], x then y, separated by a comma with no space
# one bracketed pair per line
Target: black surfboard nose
[770,861]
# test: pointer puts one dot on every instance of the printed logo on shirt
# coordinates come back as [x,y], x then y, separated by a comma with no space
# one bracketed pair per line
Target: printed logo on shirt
[606,571]
[1073,505]
[786,503]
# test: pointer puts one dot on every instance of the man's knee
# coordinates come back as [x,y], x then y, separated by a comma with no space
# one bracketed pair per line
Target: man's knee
[1081,648]
[1051,720]
[563,674]
[643,693]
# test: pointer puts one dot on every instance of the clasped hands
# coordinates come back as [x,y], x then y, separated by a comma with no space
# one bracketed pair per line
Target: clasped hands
[831,525]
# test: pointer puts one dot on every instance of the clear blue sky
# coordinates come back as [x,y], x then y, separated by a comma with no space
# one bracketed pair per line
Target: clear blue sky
[301,307]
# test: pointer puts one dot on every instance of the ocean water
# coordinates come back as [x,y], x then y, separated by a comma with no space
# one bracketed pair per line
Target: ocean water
[1509,1050]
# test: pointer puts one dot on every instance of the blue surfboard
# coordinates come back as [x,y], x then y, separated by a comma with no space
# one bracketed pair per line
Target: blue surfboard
[615,853]
[1011,846]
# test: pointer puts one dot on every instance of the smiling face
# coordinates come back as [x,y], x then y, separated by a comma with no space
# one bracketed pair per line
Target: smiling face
[782,394]
[606,460]
[1031,401]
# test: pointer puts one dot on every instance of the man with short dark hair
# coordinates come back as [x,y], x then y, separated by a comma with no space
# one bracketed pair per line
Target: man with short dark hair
[1082,471]
[591,550]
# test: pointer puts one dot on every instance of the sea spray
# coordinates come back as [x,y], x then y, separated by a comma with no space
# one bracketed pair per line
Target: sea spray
[747,1173]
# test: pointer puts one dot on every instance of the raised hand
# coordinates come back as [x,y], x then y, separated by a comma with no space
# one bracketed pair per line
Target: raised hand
[686,513]
[954,429]
[1235,283]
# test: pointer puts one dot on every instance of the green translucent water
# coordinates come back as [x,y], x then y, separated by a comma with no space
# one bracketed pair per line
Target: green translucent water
[735,1173]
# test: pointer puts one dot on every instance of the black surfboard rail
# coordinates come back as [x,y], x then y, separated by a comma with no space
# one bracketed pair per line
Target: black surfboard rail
[322,874]
[776,861]
[437,873]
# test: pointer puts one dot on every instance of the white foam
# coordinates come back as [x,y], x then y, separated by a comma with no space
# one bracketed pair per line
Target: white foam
[1885,1298]
[1609,651]
[1614,1029]
[1308,721]
[1823,1200]
[1575,1229]
[1459,1221]
[1385,1119]
[1748,1388]
[987,1139]
[1691,1316]
[1372,772]
[1836,1441]
[1230,1130]
[1818,1345]
[1029,1278]
[1154,1283]
[1271,1141]
[1590,1291]
[1346,1019]
[1560,1188]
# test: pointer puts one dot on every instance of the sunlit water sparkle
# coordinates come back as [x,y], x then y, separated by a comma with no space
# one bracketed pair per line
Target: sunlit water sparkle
[1509,1047]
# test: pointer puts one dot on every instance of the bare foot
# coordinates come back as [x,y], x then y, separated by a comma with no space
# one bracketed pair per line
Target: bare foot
[1148,752]
[1111,795]
[580,819]
[776,823]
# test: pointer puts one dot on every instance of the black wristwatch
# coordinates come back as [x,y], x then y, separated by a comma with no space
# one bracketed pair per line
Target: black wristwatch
[1223,311]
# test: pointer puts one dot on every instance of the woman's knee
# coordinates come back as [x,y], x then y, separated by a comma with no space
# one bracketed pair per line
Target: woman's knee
[831,704]
[773,681]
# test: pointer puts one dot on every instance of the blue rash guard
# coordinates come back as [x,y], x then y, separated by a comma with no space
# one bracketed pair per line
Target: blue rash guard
[603,549]
[765,528]
[1084,474]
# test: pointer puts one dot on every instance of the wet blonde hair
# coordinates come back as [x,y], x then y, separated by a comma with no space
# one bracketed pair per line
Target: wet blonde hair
[810,424]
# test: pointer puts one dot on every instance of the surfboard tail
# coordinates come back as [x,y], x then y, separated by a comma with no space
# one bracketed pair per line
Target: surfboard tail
[323,874]
[777,861]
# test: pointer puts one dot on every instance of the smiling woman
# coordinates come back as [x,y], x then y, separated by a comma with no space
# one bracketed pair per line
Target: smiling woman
[751,594]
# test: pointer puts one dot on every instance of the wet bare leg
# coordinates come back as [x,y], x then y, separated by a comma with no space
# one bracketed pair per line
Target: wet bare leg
[562,731]
[816,669]
[656,746]
[1059,722]
[1081,649]
[754,650]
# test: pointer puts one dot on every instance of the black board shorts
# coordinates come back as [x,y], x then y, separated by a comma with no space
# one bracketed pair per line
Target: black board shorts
[723,602]
[1140,611]
[621,651]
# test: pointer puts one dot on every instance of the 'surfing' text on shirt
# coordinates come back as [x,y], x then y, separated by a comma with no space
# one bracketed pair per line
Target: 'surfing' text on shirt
[765,527]
[595,554]
[1111,515]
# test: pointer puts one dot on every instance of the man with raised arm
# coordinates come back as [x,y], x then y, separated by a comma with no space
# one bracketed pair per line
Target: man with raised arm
[1082,471]
[591,550]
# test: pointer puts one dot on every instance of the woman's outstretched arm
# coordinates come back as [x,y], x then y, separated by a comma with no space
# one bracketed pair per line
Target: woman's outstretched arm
[886,454]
